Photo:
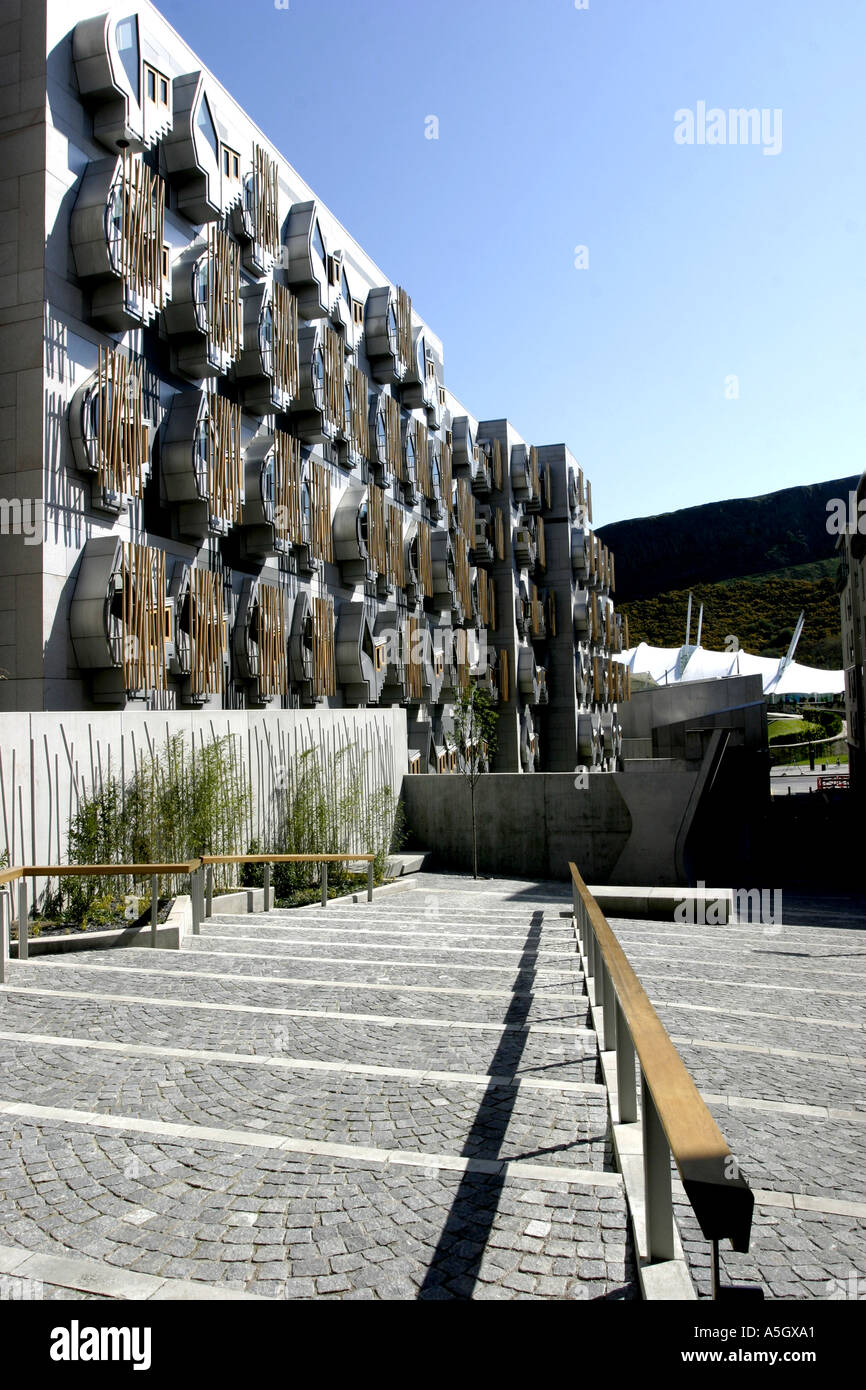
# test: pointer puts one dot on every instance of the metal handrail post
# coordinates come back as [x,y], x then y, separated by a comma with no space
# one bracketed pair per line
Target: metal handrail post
[154,908]
[4,940]
[626,1083]
[324,883]
[267,883]
[608,999]
[23,943]
[208,900]
[370,867]
[195,898]
[657,1181]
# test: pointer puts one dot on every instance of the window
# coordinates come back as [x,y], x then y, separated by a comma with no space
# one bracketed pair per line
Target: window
[358,313]
[318,243]
[126,36]
[166,261]
[317,369]
[381,436]
[231,164]
[155,86]
[392,329]
[266,340]
[204,123]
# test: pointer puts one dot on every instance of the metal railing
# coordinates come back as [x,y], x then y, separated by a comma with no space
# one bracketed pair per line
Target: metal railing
[200,873]
[675,1119]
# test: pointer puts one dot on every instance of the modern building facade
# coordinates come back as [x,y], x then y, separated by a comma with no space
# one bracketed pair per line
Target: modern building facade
[236,475]
[851,548]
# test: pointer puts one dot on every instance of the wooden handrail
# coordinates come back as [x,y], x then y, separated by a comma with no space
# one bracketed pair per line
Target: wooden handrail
[105,870]
[283,858]
[9,875]
[721,1198]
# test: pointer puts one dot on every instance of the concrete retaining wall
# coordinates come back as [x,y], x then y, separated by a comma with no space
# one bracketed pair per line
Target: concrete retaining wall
[617,827]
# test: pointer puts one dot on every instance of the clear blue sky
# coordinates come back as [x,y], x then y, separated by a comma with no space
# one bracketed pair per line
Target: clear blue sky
[556,129]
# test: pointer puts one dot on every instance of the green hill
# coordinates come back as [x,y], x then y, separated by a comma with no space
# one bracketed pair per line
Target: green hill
[754,562]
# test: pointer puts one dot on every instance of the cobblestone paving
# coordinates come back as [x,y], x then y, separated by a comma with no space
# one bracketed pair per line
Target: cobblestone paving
[373,1197]
[802,1143]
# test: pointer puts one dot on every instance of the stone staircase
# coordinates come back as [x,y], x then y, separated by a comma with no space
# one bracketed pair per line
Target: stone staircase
[399,1099]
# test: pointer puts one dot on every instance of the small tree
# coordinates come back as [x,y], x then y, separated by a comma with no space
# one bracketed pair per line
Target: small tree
[475,720]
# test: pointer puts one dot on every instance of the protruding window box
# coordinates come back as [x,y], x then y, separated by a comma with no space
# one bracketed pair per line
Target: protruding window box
[582,613]
[260,641]
[269,366]
[530,753]
[274,497]
[319,413]
[581,552]
[589,737]
[385,438]
[482,473]
[191,151]
[417,565]
[301,648]
[420,386]
[110,431]
[361,659]
[524,547]
[352,536]
[355,447]
[521,476]
[435,504]
[205,315]
[307,261]
[202,463]
[107,54]
[531,678]
[611,737]
[116,231]
[388,334]
[482,547]
[201,655]
[444,592]
[121,620]
[420,736]
[390,635]
[462,446]
[487,679]
[255,216]
[533,502]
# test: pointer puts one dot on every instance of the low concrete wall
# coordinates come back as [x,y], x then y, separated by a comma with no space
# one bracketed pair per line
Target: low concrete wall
[617,827]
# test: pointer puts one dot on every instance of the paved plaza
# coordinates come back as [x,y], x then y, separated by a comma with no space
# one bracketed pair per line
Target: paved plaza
[394,1100]
[403,1100]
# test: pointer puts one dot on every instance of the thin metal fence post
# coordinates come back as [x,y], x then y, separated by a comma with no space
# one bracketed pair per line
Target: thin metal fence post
[626,1086]
[609,1005]
[208,901]
[4,940]
[657,1181]
[324,883]
[23,943]
[267,882]
[154,907]
[370,867]
[195,898]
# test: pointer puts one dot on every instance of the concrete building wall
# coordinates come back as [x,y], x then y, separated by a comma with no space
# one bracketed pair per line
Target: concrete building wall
[49,761]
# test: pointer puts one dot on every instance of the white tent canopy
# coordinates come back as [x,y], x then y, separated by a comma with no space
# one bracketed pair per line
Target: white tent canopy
[668,665]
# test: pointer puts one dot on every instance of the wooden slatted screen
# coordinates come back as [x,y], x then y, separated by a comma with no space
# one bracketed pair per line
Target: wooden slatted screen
[462,576]
[324,668]
[225,482]
[534,480]
[422,457]
[396,557]
[404,328]
[224,312]
[144,618]
[377,540]
[266,200]
[142,230]
[207,630]
[121,429]
[414,659]
[499,532]
[589,500]
[581,495]
[483,598]
[497,465]
[612,574]
[284,306]
[446,474]
[394,449]
[536,618]
[465,511]
[358,424]
[491,590]
[625,631]
[321,537]
[334,356]
[273,635]
[288,515]
[540,542]
[425,567]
